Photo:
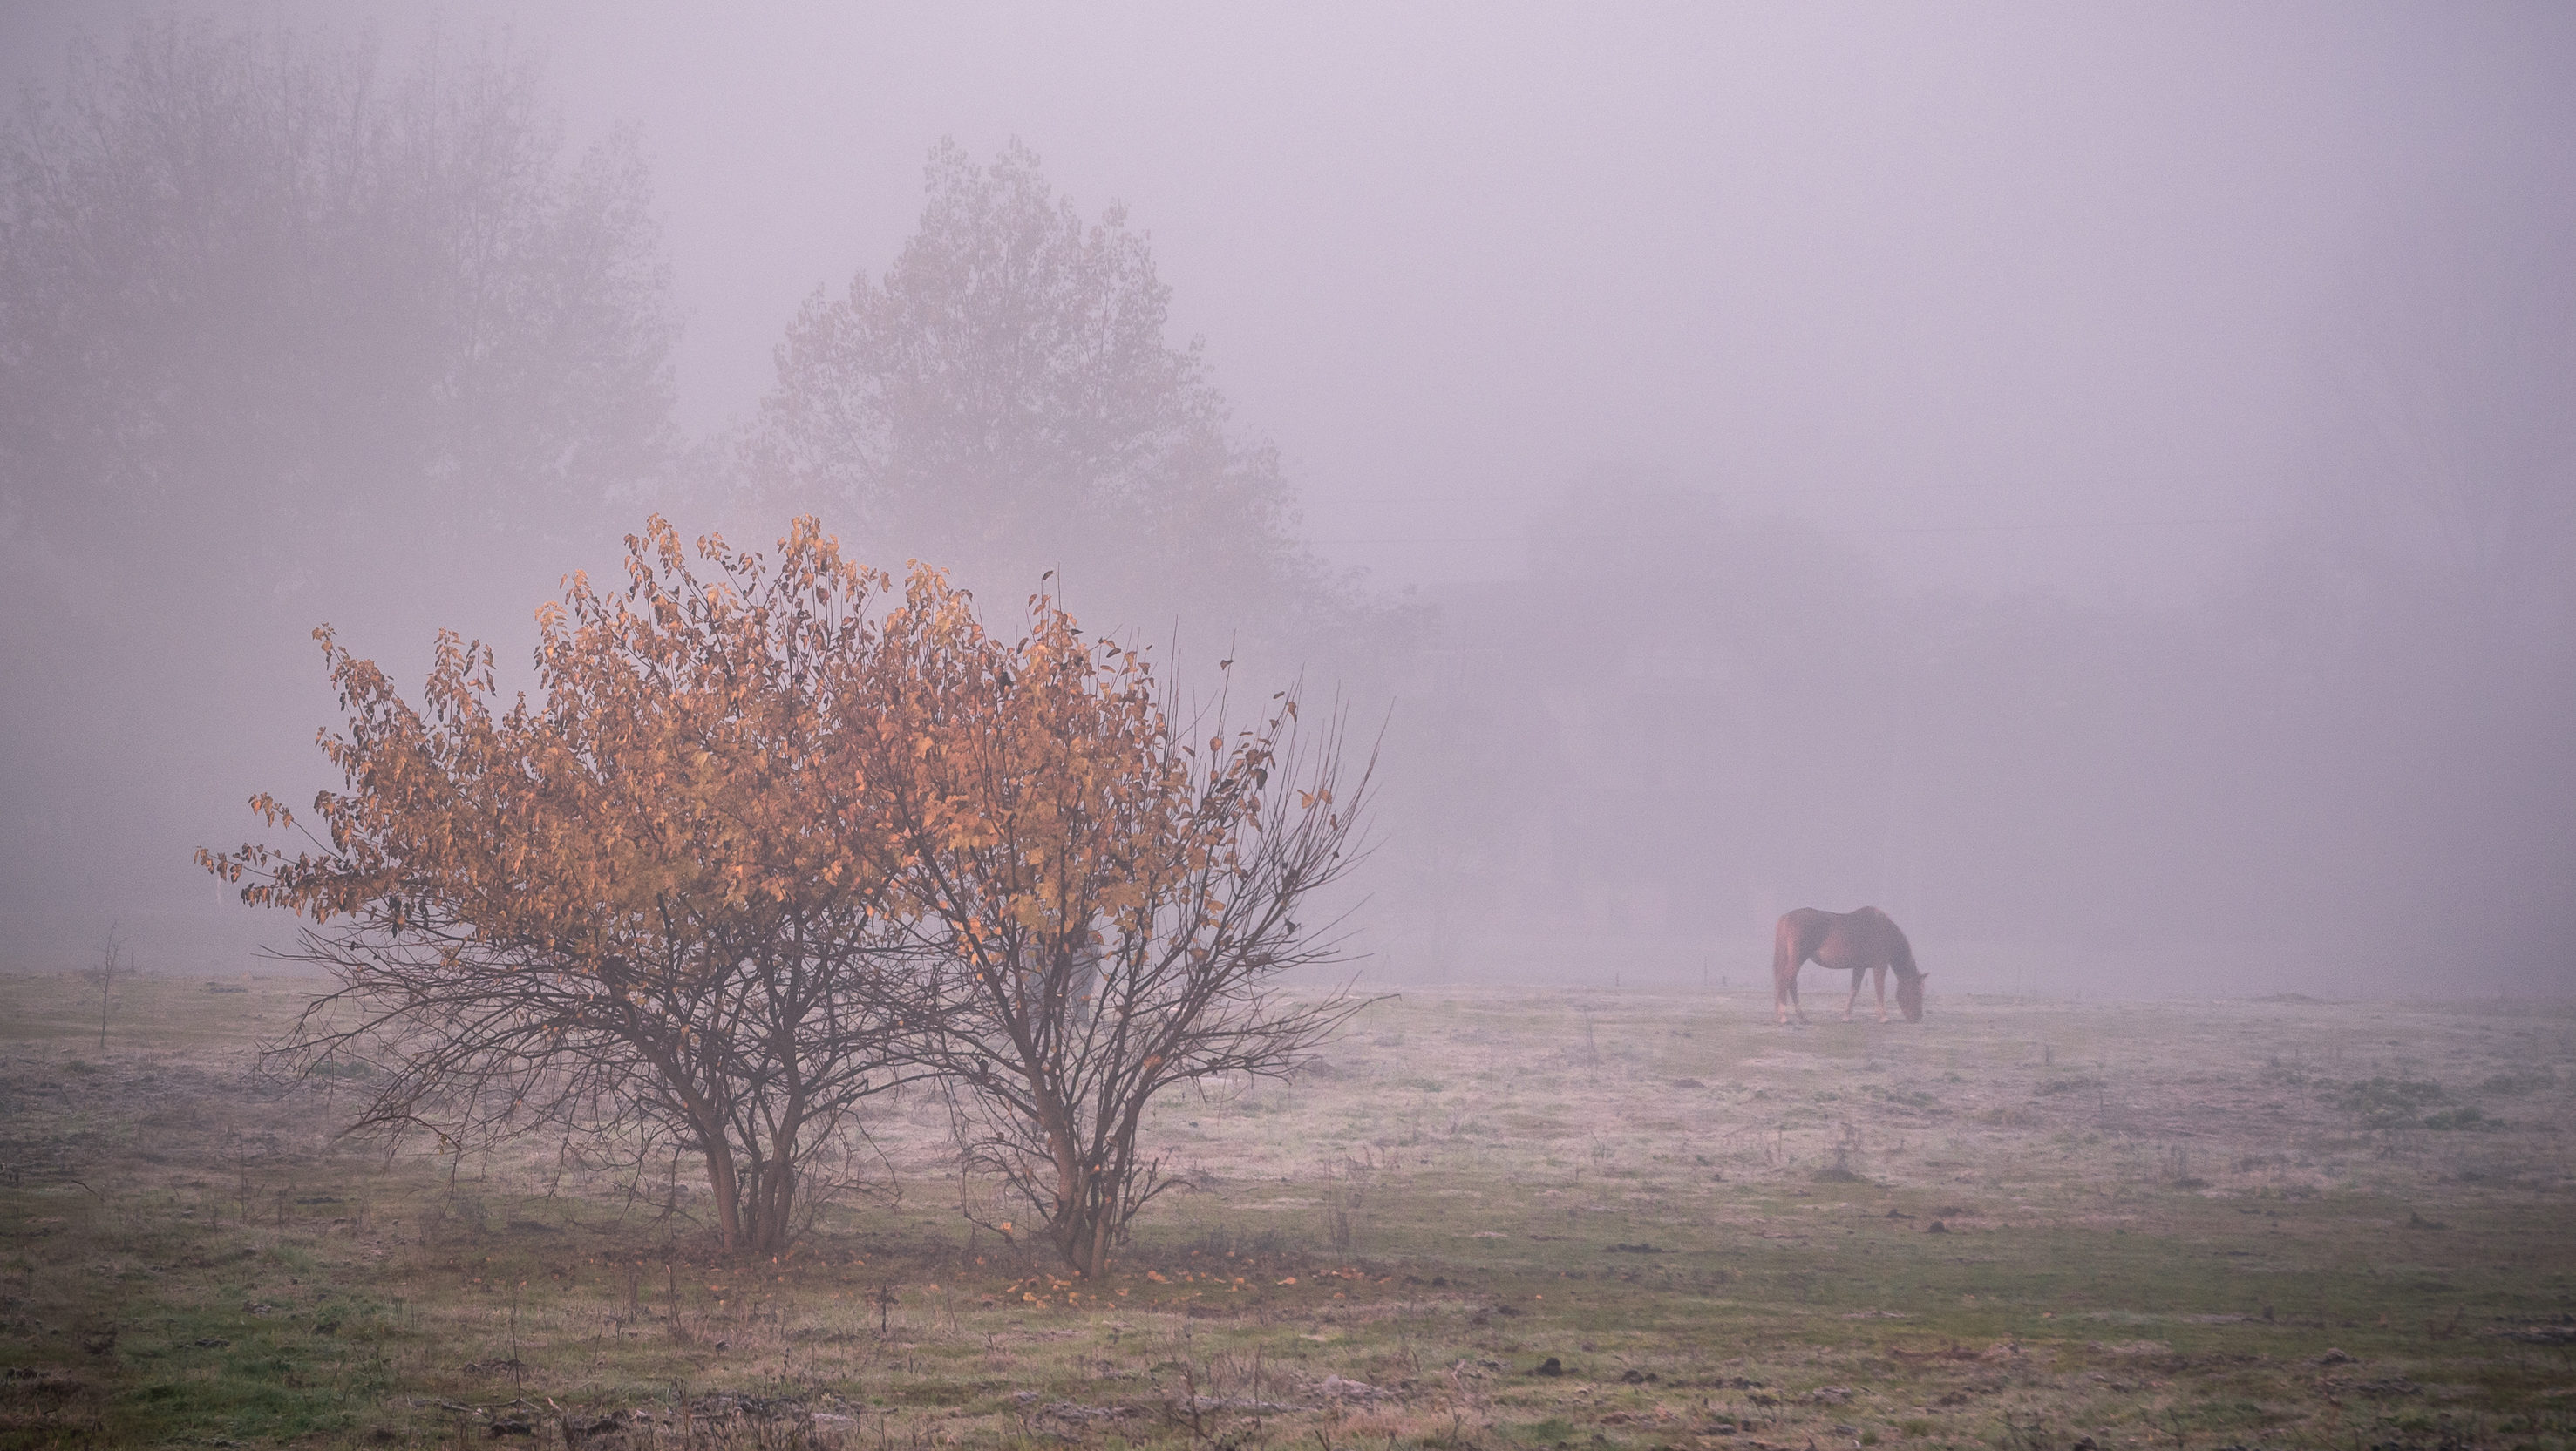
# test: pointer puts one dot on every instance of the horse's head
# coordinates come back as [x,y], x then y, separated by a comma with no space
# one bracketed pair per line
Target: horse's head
[1909,995]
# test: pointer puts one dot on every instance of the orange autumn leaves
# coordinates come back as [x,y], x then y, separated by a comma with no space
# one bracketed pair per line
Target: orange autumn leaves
[771,838]
[1047,806]
[759,737]
[683,750]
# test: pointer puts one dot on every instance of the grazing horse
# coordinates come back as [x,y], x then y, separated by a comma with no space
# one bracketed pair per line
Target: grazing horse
[1862,942]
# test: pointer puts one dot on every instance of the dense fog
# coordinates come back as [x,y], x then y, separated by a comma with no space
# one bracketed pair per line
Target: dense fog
[2098,485]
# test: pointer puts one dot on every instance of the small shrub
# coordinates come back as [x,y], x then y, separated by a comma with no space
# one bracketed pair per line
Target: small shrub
[2516,1083]
[2386,1101]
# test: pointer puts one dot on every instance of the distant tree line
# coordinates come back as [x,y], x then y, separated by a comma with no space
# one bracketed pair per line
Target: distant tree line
[289,333]
[261,301]
[2351,751]
[286,334]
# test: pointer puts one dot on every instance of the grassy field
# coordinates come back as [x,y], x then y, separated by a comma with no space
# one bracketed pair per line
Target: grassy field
[1493,1219]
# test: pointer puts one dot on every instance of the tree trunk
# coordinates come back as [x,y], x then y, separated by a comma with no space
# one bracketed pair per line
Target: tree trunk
[1084,1229]
[770,1222]
[726,1186]
[1100,1232]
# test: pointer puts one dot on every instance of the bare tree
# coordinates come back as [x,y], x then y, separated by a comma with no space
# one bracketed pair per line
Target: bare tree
[1004,400]
[657,909]
[1113,903]
[283,320]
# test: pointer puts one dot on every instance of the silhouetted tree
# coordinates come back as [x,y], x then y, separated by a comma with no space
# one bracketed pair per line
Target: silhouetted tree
[255,290]
[285,334]
[1004,399]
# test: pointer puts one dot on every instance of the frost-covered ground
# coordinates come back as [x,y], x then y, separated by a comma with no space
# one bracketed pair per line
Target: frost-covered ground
[1491,1217]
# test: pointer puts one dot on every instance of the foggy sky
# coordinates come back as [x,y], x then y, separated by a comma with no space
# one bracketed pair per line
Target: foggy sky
[2022,296]
[1988,342]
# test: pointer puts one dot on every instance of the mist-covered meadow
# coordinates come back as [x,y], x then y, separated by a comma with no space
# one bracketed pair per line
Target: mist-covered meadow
[1524,1217]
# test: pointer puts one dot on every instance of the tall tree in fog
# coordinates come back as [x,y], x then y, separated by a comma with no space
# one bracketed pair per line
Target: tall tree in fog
[1005,401]
[286,336]
[257,293]
[2416,633]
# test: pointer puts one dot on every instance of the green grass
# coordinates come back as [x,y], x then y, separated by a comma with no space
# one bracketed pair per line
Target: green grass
[2187,1226]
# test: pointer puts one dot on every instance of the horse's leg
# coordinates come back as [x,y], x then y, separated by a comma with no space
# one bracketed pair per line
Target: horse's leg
[1857,974]
[1878,975]
[1784,989]
[1784,972]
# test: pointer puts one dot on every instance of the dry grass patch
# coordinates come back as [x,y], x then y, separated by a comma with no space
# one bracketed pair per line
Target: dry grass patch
[1494,1223]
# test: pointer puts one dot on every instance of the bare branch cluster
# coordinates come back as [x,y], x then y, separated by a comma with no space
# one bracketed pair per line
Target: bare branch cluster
[1112,903]
[773,841]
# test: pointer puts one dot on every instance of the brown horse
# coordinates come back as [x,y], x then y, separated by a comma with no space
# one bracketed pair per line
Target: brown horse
[1861,942]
